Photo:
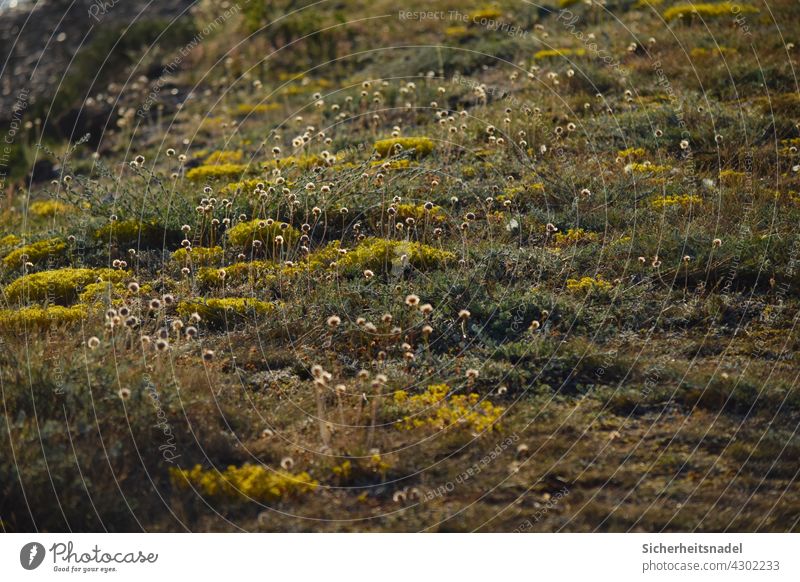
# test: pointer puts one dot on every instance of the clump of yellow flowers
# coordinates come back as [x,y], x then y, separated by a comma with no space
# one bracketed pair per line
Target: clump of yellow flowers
[683,200]
[249,481]
[434,409]
[574,236]
[586,285]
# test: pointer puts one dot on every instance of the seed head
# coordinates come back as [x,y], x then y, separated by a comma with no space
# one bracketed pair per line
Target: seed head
[412,300]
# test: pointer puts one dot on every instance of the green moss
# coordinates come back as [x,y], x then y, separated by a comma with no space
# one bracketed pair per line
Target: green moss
[59,286]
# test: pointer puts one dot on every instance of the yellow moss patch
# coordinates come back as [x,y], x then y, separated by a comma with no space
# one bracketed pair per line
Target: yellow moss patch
[9,240]
[243,186]
[419,213]
[574,236]
[434,409]
[682,200]
[60,285]
[422,146]
[130,232]
[223,157]
[302,162]
[228,310]
[249,481]
[266,231]
[562,52]
[729,176]
[456,31]
[198,256]
[219,172]
[393,165]
[708,10]
[646,168]
[40,317]
[378,254]
[703,53]
[48,208]
[247,109]
[489,13]
[250,272]
[35,252]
